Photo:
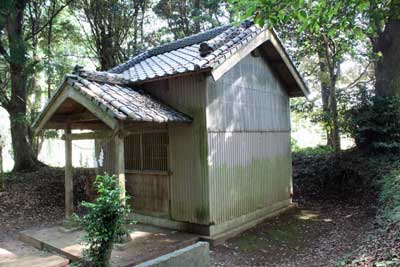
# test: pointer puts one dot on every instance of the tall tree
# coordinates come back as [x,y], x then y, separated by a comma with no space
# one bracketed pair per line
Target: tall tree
[379,20]
[190,16]
[16,69]
[310,26]
[112,23]
[384,32]
[338,24]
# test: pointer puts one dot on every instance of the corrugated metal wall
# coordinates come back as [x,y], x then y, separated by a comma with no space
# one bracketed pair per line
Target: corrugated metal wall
[248,121]
[188,147]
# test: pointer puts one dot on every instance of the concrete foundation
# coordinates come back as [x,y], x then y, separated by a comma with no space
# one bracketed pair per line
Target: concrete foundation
[197,255]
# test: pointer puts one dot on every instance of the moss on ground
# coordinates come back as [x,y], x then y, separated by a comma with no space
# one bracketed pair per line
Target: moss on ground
[288,232]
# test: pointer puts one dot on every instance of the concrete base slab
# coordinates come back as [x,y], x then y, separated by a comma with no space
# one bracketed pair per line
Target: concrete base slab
[147,243]
[32,261]
[6,255]
[220,238]
[197,255]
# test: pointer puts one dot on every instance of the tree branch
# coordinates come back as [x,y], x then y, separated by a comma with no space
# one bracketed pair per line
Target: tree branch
[357,80]
[50,20]
[3,51]
[4,100]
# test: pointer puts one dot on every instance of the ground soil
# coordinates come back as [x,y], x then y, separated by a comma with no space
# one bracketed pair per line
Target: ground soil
[32,200]
[314,234]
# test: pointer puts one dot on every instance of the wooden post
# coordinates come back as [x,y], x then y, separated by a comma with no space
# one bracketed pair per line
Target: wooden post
[1,166]
[120,161]
[69,185]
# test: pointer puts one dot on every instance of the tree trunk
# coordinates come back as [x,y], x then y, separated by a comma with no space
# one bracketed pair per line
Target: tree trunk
[329,103]
[387,69]
[24,158]
[107,53]
[335,132]
[196,12]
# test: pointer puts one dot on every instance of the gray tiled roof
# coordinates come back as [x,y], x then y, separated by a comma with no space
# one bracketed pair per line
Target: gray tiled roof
[201,51]
[121,101]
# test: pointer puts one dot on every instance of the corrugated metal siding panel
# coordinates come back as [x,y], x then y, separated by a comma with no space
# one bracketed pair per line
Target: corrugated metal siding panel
[248,98]
[248,121]
[247,171]
[188,147]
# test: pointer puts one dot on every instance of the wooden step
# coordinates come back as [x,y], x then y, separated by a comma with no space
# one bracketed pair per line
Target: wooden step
[35,261]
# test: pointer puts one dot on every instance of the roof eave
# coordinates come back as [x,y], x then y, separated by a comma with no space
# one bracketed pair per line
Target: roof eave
[266,35]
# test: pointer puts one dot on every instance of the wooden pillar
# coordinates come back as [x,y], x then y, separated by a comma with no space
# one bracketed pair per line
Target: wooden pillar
[1,166]
[69,185]
[120,161]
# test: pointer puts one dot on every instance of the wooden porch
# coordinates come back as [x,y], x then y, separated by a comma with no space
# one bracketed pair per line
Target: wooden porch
[132,124]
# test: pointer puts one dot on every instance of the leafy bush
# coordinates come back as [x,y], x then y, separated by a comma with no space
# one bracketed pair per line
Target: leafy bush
[375,124]
[104,222]
[390,197]
[351,173]
[311,151]
[294,144]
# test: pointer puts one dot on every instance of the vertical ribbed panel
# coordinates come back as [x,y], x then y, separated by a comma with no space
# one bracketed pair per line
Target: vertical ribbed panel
[248,122]
[248,98]
[247,171]
[188,147]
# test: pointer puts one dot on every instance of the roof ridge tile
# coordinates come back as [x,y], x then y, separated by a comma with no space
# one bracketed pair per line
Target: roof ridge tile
[180,43]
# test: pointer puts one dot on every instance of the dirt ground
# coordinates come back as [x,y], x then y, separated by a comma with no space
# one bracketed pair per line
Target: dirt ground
[30,201]
[315,234]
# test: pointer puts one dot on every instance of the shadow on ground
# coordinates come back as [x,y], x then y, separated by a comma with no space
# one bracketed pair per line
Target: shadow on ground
[315,234]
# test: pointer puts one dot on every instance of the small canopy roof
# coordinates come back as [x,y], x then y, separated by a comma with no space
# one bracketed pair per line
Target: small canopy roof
[91,95]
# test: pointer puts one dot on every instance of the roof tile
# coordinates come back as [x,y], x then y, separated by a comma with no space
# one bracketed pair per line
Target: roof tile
[184,56]
[124,102]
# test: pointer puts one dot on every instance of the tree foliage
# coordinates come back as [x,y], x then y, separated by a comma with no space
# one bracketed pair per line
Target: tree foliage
[332,30]
[190,16]
[21,24]
[114,26]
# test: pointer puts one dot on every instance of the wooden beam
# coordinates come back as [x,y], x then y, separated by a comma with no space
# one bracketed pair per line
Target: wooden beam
[264,36]
[239,55]
[69,185]
[51,108]
[93,108]
[74,117]
[1,165]
[88,136]
[66,91]
[289,64]
[92,125]
[120,161]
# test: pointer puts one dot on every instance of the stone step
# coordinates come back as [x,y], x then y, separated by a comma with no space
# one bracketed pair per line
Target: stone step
[6,256]
[34,261]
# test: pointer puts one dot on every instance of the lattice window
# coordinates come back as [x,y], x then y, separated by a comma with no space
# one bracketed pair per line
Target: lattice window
[147,151]
[132,152]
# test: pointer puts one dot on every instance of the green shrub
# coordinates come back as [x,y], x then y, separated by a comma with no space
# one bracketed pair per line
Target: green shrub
[390,197]
[348,174]
[294,144]
[312,151]
[104,222]
[375,124]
